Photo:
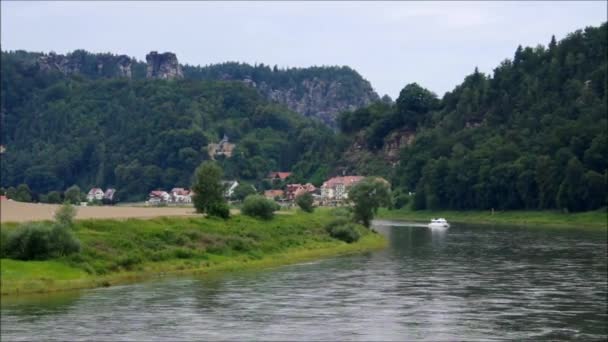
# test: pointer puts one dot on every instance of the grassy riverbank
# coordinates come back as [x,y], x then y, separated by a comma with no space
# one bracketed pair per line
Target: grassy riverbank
[587,220]
[134,249]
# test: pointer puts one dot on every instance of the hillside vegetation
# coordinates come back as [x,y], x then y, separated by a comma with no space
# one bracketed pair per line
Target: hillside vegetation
[534,135]
[137,135]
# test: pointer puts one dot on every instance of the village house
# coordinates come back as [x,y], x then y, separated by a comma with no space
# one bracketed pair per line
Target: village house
[157,197]
[229,187]
[222,148]
[274,194]
[294,190]
[336,188]
[180,195]
[95,194]
[109,195]
[278,176]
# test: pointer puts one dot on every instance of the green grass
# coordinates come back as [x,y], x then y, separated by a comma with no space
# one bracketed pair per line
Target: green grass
[131,250]
[586,220]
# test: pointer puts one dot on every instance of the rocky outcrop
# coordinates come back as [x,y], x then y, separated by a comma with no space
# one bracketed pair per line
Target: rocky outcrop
[320,98]
[61,63]
[163,66]
[393,144]
[121,64]
[81,62]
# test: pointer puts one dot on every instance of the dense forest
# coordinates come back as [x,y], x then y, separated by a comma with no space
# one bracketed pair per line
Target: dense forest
[137,135]
[533,135]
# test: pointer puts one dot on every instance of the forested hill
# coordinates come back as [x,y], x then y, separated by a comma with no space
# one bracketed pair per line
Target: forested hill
[139,135]
[532,135]
[320,92]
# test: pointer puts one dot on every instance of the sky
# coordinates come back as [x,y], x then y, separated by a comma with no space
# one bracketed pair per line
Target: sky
[435,44]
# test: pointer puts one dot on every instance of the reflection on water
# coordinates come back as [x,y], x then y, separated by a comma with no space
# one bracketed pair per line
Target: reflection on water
[463,283]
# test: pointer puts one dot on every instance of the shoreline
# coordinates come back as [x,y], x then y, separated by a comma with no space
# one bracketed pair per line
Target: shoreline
[590,220]
[63,274]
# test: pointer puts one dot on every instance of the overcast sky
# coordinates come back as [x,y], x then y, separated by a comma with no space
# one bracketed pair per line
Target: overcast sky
[390,44]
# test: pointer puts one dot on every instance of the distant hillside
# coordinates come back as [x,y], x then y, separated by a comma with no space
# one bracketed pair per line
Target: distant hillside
[141,134]
[321,92]
[533,135]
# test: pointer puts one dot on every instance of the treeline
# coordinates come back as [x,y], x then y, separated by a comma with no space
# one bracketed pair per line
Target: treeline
[137,135]
[534,135]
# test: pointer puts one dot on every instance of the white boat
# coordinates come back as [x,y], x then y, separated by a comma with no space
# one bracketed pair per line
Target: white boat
[439,223]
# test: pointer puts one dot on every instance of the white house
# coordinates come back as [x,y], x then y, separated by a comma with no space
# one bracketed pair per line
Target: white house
[181,195]
[95,194]
[229,187]
[158,197]
[337,188]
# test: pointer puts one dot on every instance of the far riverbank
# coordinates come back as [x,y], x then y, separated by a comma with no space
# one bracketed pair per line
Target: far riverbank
[595,220]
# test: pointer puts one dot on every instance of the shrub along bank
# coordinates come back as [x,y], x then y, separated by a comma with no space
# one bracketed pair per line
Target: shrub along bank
[115,251]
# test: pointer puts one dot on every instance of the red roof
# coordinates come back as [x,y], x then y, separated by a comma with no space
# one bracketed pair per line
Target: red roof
[273,193]
[180,191]
[280,175]
[157,193]
[346,180]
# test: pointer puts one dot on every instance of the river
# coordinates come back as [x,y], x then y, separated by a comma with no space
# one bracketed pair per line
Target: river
[466,283]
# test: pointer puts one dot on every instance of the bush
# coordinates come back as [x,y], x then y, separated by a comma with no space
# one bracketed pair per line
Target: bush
[36,241]
[39,241]
[305,201]
[219,209]
[260,207]
[343,230]
[65,215]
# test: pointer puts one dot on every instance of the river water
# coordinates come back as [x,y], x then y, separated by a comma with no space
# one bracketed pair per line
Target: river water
[466,283]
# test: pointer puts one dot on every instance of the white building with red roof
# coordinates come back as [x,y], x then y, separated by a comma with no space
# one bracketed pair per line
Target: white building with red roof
[181,195]
[95,194]
[336,188]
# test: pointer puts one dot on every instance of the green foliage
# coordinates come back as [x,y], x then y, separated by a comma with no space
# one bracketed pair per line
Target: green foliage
[38,241]
[53,197]
[242,190]
[208,190]
[64,216]
[304,201]
[342,229]
[22,193]
[259,206]
[73,194]
[368,195]
[219,209]
[502,141]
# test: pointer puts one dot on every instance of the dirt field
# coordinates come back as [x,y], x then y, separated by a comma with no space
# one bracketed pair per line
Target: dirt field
[11,211]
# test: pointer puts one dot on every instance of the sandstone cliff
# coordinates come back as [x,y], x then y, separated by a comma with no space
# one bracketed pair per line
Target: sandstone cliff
[163,66]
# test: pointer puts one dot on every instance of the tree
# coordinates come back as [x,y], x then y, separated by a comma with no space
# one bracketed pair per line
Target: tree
[23,193]
[11,192]
[72,194]
[368,195]
[259,206]
[53,197]
[241,191]
[572,192]
[305,201]
[208,189]
[65,215]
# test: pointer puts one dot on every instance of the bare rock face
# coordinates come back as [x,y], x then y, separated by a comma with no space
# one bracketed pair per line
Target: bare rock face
[163,66]
[61,63]
[122,65]
[79,62]
[318,98]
